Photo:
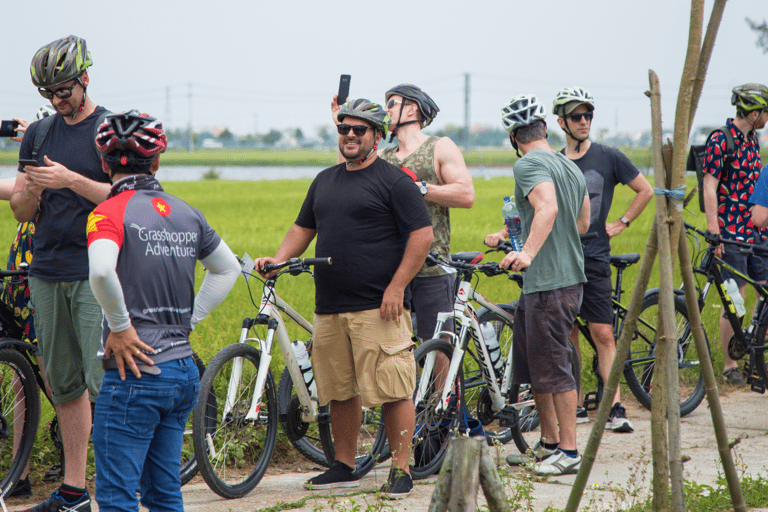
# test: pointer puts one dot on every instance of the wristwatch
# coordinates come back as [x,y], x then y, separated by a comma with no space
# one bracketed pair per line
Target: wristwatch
[423,188]
[624,220]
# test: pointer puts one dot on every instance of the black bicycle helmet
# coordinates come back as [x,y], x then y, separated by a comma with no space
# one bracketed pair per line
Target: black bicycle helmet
[368,111]
[427,106]
[131,139]
[749,97]
[60,61]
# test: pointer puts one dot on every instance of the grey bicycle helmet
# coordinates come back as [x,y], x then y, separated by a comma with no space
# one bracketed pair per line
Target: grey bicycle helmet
[569,98]
[427,106]
[522,110]
[60,61]
[368,111]
[749,97]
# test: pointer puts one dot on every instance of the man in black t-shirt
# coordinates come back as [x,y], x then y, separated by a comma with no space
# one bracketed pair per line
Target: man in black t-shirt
[65,186]
[604,168]
[370,219]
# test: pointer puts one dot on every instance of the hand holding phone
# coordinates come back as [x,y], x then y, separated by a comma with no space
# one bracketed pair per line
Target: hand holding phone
[23,162]
[343,89]
[8,128]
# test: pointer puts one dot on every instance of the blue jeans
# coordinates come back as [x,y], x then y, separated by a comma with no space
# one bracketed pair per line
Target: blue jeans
[137,435]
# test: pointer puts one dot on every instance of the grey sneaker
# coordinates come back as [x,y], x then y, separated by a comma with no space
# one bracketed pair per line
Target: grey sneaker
[539,453]
[581,415]
[399,485]
[733,377]
[617,419]
[340,475]
[558,464]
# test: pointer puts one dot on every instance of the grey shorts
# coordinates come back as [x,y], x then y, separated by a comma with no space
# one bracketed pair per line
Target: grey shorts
[430,296]
[541,354]
[68,325]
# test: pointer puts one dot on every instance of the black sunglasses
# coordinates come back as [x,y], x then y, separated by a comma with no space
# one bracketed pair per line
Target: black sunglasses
[64,92]
[576,118]
[358,130]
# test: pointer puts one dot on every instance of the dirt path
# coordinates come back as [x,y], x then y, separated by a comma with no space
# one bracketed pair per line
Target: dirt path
[619,461]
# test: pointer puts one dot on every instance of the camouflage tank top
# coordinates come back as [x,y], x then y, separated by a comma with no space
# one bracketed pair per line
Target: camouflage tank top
[422,163]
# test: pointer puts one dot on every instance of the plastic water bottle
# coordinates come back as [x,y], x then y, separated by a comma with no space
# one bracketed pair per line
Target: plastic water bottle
[302,356]
[738,301]
[494,350]
[512,221]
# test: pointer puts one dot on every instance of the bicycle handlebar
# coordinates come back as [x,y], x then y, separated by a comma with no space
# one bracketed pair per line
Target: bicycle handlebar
[297,263]
[714,239]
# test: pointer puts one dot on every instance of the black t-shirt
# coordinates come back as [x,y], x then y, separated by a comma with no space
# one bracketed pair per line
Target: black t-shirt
[363,219]
[61,252]
[604,167]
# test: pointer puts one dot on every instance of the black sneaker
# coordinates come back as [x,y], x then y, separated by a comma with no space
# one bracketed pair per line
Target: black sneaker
[617,419]
[399,485]
[340,475]
[22,489]
[56,503]
[581,415]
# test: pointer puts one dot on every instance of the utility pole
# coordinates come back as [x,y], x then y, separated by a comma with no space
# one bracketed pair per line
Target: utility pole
[168,107]
[466,107]
[191,143]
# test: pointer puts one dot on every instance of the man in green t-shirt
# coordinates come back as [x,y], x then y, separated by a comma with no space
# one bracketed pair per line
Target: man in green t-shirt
[551,195]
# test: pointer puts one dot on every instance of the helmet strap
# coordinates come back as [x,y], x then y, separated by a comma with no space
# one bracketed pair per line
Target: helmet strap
[393,132]
[514,143]
[82,103]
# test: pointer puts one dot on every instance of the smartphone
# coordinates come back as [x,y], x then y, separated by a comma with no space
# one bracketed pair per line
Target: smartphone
[343,89]
[8,128]
[27,161]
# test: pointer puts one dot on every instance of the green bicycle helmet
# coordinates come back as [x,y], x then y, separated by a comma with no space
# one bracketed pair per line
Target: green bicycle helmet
[561,107]
[367,111]
[60,61]
[749,97]
[522,110]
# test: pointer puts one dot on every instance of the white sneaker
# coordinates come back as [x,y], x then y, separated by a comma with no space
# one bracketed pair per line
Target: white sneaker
[539,453]
[617,419]
[558,464]
[581,415]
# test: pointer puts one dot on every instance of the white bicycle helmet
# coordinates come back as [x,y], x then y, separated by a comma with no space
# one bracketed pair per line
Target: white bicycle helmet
[44,111]
[522,110]
[575,95]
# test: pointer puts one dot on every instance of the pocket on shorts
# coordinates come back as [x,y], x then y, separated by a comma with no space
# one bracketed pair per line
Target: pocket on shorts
[396,371]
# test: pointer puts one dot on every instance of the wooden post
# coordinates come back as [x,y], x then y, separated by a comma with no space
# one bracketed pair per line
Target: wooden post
[468,462]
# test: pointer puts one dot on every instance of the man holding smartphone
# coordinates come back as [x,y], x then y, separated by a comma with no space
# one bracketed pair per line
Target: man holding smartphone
[66,186]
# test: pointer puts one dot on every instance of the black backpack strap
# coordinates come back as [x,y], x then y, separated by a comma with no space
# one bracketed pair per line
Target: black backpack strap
[40,133]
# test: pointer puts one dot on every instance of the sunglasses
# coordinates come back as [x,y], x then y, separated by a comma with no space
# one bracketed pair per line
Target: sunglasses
[358,130]
[64,92]
[391,103]
[576,118]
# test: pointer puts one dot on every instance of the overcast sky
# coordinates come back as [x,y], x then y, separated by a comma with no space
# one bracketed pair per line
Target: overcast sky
[255,65]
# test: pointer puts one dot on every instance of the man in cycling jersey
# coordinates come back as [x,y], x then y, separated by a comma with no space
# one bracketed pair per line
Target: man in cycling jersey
[143,246]
[551,195]
[726,198]
[370,219]
[604,168]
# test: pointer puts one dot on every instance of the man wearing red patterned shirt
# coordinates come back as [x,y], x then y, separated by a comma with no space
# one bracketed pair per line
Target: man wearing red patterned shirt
[728,183]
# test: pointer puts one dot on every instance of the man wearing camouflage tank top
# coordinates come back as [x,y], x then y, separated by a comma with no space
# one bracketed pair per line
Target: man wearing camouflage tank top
[438,169]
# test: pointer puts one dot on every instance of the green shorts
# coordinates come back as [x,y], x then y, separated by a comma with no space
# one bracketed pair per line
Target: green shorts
[68,325]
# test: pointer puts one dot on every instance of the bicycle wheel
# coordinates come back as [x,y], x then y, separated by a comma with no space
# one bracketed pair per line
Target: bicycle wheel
[315,440]
[434,430]
[232,449]
[188,463]
[638,370]
[476,392]
[19,416]
[760,337]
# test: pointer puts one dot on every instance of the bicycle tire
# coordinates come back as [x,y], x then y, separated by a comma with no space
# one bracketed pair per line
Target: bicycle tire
[188,462]
[16,378]
[638,371]
[434,430]
[242,448]
[760,335]
[315,440]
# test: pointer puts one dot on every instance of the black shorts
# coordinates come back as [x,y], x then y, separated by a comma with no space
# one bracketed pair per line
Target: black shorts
[596,306]
[754,265]
[430,296]
[541,352]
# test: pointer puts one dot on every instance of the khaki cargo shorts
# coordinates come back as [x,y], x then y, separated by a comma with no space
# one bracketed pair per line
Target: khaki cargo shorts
[359,354]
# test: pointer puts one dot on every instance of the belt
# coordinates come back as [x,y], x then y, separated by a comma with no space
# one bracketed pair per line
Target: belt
[111,364]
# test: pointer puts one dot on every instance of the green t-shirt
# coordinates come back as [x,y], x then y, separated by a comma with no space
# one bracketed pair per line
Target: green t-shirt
[560,262]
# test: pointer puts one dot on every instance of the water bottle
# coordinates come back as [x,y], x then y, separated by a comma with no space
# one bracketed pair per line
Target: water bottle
[512,221]
[302,356]
[494,350]
[738,301]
